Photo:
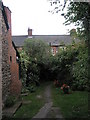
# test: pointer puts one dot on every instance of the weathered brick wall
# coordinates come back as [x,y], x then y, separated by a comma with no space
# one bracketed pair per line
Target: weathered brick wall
[9,68]
[0,62]
[15,86]
[6,74]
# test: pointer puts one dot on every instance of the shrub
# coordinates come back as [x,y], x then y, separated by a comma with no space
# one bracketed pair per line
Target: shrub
[80,69]
[64,64]
[71,67]
[31,88]
[34,58]
[10,101]
[65,88]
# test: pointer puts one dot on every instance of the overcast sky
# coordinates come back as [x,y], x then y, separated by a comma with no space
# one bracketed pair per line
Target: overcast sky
[34,14]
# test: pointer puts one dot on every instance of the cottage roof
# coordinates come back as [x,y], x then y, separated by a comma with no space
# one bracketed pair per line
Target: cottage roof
[53,40]
[19,40]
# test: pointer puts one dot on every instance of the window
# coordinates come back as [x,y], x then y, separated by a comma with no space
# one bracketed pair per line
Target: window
[10,58]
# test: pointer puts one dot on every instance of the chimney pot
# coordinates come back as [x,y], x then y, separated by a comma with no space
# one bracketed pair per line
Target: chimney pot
[29,32]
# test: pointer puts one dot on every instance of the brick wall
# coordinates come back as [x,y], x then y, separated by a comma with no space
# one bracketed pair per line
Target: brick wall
[6,74]
[0,62]
[9,68]
[15,86]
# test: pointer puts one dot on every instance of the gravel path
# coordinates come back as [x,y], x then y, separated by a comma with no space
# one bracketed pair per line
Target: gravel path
[48,111]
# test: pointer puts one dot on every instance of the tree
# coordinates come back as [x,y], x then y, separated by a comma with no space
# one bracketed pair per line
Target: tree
[36,49]
[34,55]
[78,13]
[73,34]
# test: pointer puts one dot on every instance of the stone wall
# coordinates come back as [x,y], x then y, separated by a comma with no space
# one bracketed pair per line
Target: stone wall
[6,74]
[9,67]
[0,62]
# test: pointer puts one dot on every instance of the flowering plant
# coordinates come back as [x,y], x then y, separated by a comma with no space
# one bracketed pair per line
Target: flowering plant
[56,83]
[65,88]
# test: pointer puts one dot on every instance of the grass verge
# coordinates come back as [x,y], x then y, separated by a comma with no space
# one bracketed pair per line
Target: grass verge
[29,110]
[74,105]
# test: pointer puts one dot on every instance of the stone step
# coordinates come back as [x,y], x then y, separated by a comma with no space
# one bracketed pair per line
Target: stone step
[43,111]
[11,111]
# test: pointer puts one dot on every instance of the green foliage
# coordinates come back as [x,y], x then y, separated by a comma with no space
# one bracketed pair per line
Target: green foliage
[10,101]
[70,66]
[34,57]
[74,105]
[36,49]
[74,15]
[65,88]
[24,60]
[75,8]
[81,19]
[80,69]
[29,110]
[62,65]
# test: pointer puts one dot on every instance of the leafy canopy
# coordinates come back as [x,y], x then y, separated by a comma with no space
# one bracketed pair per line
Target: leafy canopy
[34,56]
[77,12]
[36,49]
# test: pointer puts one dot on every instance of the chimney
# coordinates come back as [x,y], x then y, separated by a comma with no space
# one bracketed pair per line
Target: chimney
[8,13]
[29,33]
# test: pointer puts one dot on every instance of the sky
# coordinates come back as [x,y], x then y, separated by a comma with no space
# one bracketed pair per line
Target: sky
[34,14]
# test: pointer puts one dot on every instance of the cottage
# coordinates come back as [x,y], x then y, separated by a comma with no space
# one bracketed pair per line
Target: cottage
[55,41]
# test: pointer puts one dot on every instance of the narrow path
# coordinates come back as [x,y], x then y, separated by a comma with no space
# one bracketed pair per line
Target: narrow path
[48,111]
[47,94]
